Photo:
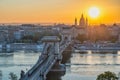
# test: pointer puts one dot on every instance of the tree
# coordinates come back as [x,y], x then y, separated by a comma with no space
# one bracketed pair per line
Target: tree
[107,76]
[13,76]
[81,37]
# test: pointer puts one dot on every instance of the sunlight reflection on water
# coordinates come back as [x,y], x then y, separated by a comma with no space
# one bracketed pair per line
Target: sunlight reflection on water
[80,66]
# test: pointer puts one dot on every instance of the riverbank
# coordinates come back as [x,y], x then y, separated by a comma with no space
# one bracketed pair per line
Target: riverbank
[96,48]
[8,48]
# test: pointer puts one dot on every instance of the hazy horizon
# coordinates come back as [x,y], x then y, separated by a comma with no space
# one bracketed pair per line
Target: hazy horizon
[57,11]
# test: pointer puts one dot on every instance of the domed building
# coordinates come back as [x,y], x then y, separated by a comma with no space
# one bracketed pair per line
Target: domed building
[83,22]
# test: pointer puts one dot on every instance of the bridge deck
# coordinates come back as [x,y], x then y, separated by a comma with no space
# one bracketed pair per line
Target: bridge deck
[44,63]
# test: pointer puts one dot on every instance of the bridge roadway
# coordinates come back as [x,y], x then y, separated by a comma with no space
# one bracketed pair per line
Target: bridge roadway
[44,63]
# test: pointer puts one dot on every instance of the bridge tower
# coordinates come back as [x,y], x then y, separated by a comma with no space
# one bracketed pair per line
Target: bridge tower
[52,41]
[55,42]
[66,36]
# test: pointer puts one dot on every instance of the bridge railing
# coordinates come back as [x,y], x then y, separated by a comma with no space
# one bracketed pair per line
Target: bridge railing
[62,47]
[45,49]
[48,63]
[41,59]
[38,63]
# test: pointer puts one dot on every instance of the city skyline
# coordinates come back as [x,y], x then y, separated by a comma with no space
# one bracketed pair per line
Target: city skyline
[57,11]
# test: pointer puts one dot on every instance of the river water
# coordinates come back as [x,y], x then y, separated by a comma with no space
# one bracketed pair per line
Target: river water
[78,67]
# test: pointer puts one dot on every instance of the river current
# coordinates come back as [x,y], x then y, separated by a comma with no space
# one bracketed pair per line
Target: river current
[78,67]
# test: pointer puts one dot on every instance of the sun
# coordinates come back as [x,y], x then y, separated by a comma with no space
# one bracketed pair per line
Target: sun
[94,12]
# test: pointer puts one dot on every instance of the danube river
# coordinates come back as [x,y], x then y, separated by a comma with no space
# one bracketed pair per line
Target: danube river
[78,67]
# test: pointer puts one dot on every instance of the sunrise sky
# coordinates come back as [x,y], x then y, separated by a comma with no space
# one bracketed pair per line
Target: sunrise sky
[57,11]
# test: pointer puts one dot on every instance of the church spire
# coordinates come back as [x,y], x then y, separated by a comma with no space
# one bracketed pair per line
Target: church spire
[75,21]
[86,22]
[82,16]
[82,21]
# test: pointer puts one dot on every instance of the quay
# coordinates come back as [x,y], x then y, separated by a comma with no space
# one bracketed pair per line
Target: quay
[96,48]
[21,46]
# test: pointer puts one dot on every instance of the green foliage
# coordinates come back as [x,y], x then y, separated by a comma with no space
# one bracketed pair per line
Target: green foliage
[81,37]
[99,35]
[107,76]
[13,76]
[28,37]
[113,39]
[37,36]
